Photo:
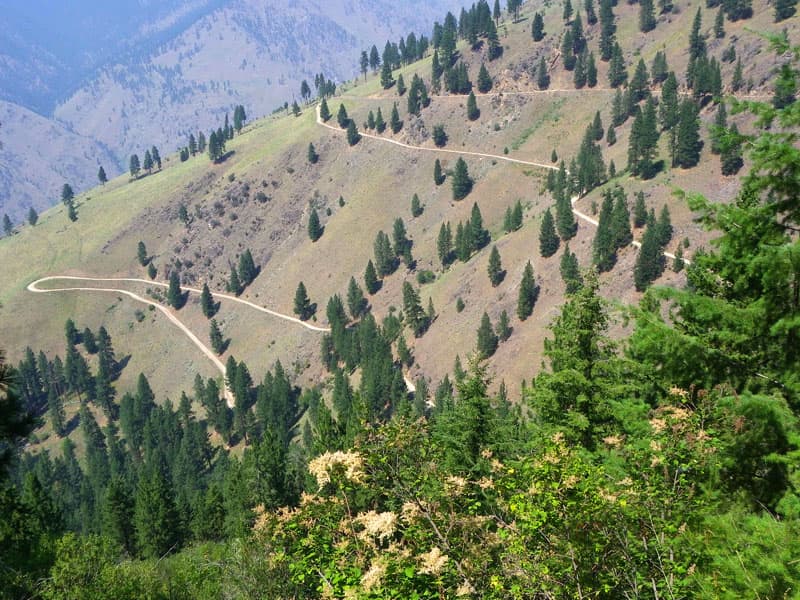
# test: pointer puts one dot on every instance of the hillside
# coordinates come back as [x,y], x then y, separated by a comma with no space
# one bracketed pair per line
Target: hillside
[156,75]
[344,351]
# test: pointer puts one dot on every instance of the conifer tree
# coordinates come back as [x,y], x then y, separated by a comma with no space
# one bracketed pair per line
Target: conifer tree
[473,112]
[566,15]
[416,206]
[353,137]
[8,226]
[591,71]
[215,336]
[356,302]
[785,88]
[528,293]
[718,128]
[438,174]
[686,152]
[731,153]
[617,75]
[315,229]
[607,29]
[295,109]
[394,120]
[784,9]
[719,24]
[302,305]
[207,304]
[567,53]
[134,166]
[444,245]
[101,175]
[542,76]
[621,220]
[604,251]
[341,117]
[639,211]
[643,142]
[33,216]
[647,16]
[495,267]
[462,183]
[487,338]
[669,109]
[148,161]
[174,292]
[570,271]
[312,155]
[611,139]
[412,308]
[664,227]
[516,216]
[141,254]
[504,328]
[537,28]
[566,224]
[548,240]
[387,80]
[235,286]
[650,260]
[371,281]
[247,268]
[324,111]
[156,519]
[484,80]
[579,72]
[151,270]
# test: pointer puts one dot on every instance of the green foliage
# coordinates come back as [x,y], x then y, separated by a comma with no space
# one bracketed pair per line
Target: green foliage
[416,206]
[528,293]
[302,305]
[461,181]
[473,112]
[548,240]
[438,174]
[570,271]
[484,80]
[395,123]
[495,267]
[315,228]
[353,137]
[439,136]
[487,338]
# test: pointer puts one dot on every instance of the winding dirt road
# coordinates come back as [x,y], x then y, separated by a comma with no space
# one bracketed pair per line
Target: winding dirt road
[518,161]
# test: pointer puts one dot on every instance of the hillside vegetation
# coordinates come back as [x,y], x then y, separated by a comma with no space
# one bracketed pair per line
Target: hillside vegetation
[492,399]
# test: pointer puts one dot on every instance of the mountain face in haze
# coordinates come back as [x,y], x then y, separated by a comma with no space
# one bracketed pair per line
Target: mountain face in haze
[131,75]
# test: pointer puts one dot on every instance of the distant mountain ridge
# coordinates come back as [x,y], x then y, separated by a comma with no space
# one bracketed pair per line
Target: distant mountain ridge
[151,80]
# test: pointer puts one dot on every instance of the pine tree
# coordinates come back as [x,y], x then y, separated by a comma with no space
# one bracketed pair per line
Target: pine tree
[33,216]
[302,305]
[607,29]
[462,183]
[528,293]
[718,129]
[412,308]
[444,245]
[650,260]
[207,304]
[341,117]
[324,111]
[353,137]
[101,175]
[731,153]
[416,206]
[394,120]
[495,267]
[148,161]
[371,281]
[496,11]
[313,157]
[611,139]
[503,328]
[380,124]
[473,112]
[591,71]
[621,221]
[295,109]
[785,88]
[719,24]
[55,412]
[487,338]
[215,335]
[639,86]
[647,16]
[484,80]
[134,166]
[642,143]
[686,153]
[664,227]
[151,270]
[315,229]
[617,75]
[516,216]
[247,268]
[175,293]
[387,80]
[784,9]
[639,211]
[141,254]
[567,14]
[604,251]
[579,73]
[537,29]
[156,519]
[438,174]
[548,240]
[570,271]
[542,76]
[669,109]
[356,302]
[8,226]
[235,286]
[566,224]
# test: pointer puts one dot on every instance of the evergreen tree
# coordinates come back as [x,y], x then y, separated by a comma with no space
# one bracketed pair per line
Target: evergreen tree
[621,221]
[315,229]
[504,328]
[371,120]
[295,109]
[55,412]
[719,24]
[156,519]
[148,161]
[516,216]
[647,16]
[579,72]
[607,29]
[496,11]
[718,129]
[664,227]
[650,260]
[416,206]
[484,80]
[487,338]
[353,137]
[686,153]
[473,112]
[72,212]
[371,281]
[639,211]
[444,245]
[134,166]
[659,69]
[642,143]
[33,217]
[324,111]
[174,292]
[528,293]
[438,174]
[542,76]
[380,124]
[537,28]
[374,59]
[566,224]
[495,267]
[785,88]
[207,304]
[570,271]
[364,63]
[591,71]
[548,240]
[215,335]
[141,254]
[784,9]
[235,286]
[101,175]
[247,268]
[313,157]
[341,117]
[567,53]
[67,195]
[731,152]
[8,226]
[356,302]
[462,183]
[617,75]
[604,251]
[387,80]
[669,108]
[394,120]
[611,139]
[566,15]
[302,305]
[412,308]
